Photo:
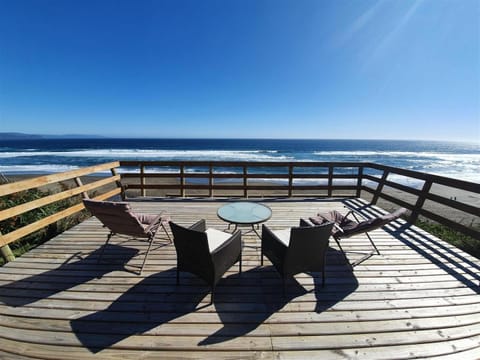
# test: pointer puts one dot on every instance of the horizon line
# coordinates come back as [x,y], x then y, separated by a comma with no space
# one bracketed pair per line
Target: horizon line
[97,137]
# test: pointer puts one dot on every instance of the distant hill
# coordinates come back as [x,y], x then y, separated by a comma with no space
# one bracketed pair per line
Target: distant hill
[22,136]
[17,136]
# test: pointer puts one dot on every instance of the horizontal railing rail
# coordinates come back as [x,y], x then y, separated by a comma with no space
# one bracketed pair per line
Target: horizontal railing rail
[247,179]
[329,179]
[48,198]
[424,194]
[247,174]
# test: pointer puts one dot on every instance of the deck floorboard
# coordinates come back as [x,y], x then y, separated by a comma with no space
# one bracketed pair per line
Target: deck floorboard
[419,298]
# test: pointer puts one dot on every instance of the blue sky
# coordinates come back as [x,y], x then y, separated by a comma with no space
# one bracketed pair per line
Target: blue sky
[386,69]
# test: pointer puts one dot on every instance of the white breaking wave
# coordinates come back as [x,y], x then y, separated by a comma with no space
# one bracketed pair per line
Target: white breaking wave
[472,176]
[28,169]
[254,155]
[404,154]
[463,166]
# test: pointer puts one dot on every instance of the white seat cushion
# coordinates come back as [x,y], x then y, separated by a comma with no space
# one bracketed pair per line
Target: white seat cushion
[216,238]
[283,236]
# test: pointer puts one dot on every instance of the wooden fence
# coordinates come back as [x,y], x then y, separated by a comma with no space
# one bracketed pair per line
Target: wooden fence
[247,177]
[425,193]
[244,179]
[433,190]
[48,180]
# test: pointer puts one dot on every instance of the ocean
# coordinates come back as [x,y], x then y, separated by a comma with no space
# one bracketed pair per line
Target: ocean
[43,156]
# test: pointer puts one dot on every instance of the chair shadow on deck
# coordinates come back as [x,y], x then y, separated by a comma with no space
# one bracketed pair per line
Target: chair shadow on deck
[156,300]
[140,309]
[43,285]
[269,299]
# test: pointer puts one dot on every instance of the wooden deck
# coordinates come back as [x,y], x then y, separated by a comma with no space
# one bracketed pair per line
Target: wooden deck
[419,299]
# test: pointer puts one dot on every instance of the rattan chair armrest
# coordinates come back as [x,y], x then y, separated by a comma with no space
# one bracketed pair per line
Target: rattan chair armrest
[200,225]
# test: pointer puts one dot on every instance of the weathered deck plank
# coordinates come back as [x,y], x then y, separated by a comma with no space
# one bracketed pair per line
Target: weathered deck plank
[418,299]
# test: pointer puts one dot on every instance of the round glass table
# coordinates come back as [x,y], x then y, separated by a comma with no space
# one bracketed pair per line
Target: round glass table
[243,213]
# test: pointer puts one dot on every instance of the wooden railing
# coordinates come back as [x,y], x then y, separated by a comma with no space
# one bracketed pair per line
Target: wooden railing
[333,179]
[428,192]
[244,179]
[244,176]
[49,180]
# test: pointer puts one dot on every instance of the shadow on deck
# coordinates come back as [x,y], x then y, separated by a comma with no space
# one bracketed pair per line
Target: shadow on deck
[418,299]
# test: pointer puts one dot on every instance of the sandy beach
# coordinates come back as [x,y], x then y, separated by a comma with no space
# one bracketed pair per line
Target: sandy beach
[445,211]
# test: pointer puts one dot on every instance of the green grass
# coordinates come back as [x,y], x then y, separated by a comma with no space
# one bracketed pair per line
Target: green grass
[39,237]
[464,242]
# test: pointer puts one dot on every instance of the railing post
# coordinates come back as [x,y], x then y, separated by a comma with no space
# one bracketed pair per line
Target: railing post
[290,180]
[210,180]
[420,201]
[359,181]
[182,180]
[119,184]
[330,180]
[379,189]
[6,252]
[79,183]
[142,180]
[245,184]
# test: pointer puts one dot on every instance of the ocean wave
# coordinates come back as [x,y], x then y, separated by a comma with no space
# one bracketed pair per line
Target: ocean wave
[241,155]
[404,154]
[472,175]
[36,169]
[460,165]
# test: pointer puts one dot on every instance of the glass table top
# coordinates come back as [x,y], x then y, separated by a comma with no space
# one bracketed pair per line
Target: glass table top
[244,212]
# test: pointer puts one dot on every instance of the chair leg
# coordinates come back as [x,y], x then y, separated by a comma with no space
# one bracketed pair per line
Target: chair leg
[212,295]
[146,254]
[369,238]
[104,246]
[166,232]
[373,244]
[261,255]
[343,252]
[240,264]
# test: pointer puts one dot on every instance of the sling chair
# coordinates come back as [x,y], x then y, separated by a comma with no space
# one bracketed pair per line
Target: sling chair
[346,227]
[119,218]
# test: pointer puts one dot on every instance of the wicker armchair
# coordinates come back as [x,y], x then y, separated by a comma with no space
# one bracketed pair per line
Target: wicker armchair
[207,253]
[297,249]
